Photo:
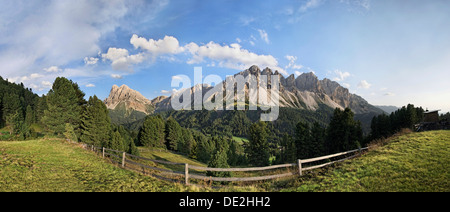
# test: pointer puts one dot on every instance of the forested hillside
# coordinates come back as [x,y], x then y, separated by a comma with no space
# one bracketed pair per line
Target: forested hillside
[19,109]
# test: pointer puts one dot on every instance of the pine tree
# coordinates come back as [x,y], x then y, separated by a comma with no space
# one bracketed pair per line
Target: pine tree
[318,140]
[186,143]
[133,149]
[41,106]
[63,107]
[29,116]
[219,160]
[172,133]
[232,153]
[12,110]
[205,147]
[343,132]
[116,142]
[95,123]
[151,133]
[289,150]
[258,147]
[16,122]
[302,140]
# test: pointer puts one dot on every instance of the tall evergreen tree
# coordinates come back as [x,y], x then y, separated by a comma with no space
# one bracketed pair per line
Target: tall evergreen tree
[117,142]
[219,160]
[343,133]
[317,140]
[288,149]
[13,112]
[205,147]
[95,123]
[303,140]
[258,147]
[63,107]
[173,133]
[29,116]
[186,143]
[41,106]
[151,133]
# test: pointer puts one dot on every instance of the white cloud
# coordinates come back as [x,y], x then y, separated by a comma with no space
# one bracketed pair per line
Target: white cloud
[116,76]
[90,85]
[90,60]
[389,94]
[264,36]
[292,65]
[364,84]
[346,85]
[35,76]
[176,78]
[52,69]
[121,60]
[341,75]
[169,92]
[43,85]
[46,84]
[168,45]
[231,56]
[238,40]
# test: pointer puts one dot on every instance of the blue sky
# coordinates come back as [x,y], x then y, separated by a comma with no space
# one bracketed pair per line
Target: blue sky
[390,52]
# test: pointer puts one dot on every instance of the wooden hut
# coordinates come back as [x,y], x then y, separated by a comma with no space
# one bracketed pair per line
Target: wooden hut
[431,116]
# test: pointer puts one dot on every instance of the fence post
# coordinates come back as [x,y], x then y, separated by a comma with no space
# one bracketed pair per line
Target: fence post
[123,159]
[103,152]
[299,167]
[186,173]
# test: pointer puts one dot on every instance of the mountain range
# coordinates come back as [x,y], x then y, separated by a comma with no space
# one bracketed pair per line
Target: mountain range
[304,92]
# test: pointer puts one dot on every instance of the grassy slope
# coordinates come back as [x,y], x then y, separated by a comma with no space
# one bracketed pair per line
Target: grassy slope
[411,162]
[53,165]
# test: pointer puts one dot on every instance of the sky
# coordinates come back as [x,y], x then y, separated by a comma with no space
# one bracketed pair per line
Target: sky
[390,52]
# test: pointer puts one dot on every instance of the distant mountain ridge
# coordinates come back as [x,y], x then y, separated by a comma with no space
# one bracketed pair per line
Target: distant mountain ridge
[304,92]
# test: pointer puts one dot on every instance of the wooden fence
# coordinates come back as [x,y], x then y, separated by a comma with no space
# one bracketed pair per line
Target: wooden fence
[302,165]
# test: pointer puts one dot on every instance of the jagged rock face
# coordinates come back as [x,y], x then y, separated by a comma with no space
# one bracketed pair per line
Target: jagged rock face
[308,82]
[131,98]
[304,92]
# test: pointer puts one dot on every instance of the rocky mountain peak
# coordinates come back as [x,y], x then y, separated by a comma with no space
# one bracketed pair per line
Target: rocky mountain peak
[131,98]
[308,82]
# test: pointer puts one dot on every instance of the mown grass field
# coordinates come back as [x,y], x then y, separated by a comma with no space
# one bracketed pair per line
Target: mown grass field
[54,165]
[415,162]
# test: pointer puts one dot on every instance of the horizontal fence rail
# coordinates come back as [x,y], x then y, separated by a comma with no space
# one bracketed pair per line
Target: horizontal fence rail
[124,159]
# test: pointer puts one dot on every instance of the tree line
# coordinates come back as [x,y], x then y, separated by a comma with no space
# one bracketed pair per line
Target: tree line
[343,133]
[383,125]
